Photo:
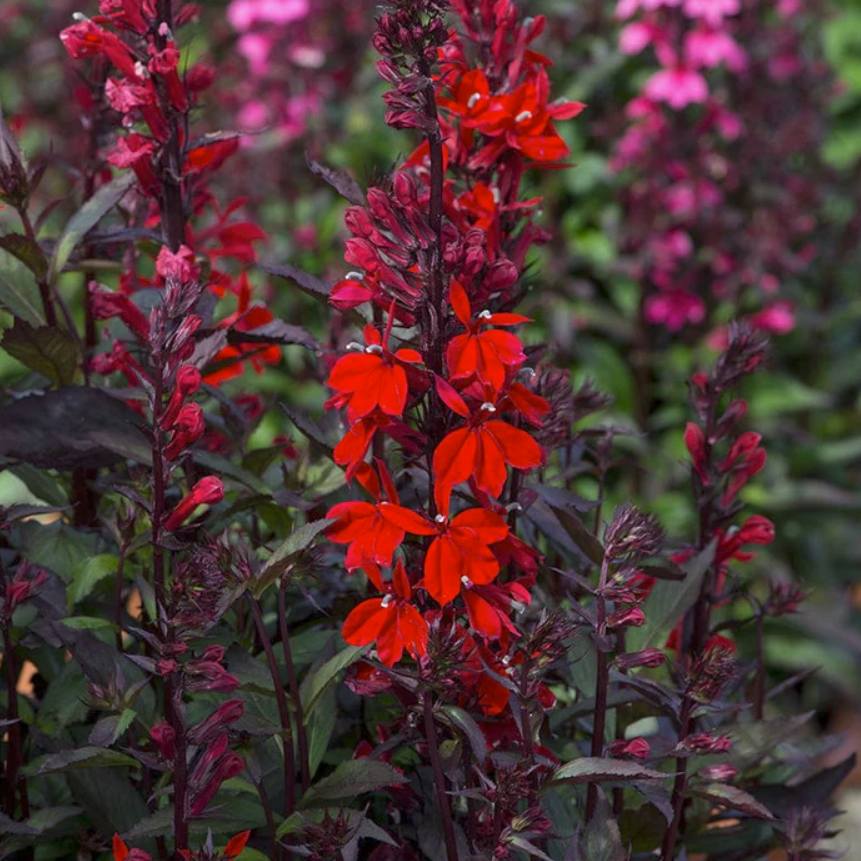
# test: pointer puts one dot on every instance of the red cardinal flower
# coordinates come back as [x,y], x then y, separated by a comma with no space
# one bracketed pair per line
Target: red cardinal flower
[480,450]
[488,607]
[374,378]
[460,555]
[391,621]
[207,491]
[364,526]
[487,353]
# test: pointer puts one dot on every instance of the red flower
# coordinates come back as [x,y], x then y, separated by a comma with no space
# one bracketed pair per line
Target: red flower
[371,536]
[460,555]
[136,151]
[207,491]
[86,39]
[480,450]
[374,378]
[488,607]
[391,621]
[487,353]
[636,748]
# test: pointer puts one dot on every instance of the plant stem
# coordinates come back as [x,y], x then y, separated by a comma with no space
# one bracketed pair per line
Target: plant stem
[283,709]
[677,801]
[602,684]
[759,679]
[14,743]
[293,682]
[442,799]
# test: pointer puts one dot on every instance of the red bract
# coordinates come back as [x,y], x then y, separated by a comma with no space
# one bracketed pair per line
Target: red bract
[392,622]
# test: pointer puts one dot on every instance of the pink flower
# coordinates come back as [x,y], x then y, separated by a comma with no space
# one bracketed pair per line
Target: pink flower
[244,14]
[678,87]
[778,319]
[712,11]
[709,47]
[637,36]
[675,309]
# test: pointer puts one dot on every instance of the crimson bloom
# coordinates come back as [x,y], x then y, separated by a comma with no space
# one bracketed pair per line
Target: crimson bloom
[391,621]
[207,491]
[374,378]
[482,352]
[481,449]
[460,554]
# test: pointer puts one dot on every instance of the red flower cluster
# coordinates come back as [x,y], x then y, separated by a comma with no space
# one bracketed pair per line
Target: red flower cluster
[153,98]
[457,400]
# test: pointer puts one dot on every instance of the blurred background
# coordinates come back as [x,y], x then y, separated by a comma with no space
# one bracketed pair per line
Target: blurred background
[665,227]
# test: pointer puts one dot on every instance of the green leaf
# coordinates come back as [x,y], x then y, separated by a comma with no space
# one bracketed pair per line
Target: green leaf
[81,757]
[734,798]
[351,779]
[670,600]
[27,250]
[301,539]
[86,218]
[321,729]
[592,769]
[87,575]
[316,684]
[19,293]
[47,350]
[87,623]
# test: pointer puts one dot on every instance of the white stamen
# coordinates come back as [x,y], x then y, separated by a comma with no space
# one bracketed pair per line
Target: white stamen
[514,506]
[523,116]
[485,315]
[505,660]
[373,348]
[387,600]
[141,70]
[79,16]
[164,30]
[527,372]
[473,100]
[440,518]
[356,347]
[467,583]
[496,195]
[355,276]
[488,407]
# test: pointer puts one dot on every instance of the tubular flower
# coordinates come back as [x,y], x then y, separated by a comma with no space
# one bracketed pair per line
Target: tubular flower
[485,353]
[374,378]
[391,622]
[207,491]
[460,553]
[481,450]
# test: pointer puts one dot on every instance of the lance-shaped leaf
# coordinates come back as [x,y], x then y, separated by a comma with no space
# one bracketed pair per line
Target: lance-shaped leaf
[85,219]
[88,756]
[340,180]
[18,291]
[275,332]
[670,600]
[594,769]
[309,283]
[27,250]
[579,533]
[298,541]
[351,779]
[315,685]
[47,350]
[733,798]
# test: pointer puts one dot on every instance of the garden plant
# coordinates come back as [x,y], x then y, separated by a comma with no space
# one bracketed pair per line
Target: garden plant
[327,552]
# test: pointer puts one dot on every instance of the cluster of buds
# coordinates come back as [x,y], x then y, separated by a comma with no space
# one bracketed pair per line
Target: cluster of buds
[137,76]
[719,477]
[21,587]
